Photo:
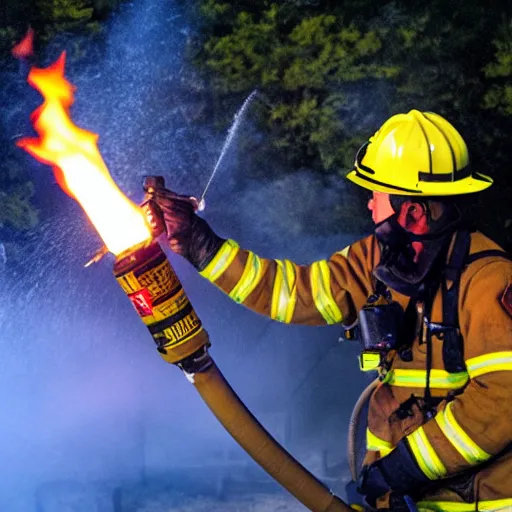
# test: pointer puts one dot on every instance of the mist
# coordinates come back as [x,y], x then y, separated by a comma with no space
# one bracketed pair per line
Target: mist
[92,419]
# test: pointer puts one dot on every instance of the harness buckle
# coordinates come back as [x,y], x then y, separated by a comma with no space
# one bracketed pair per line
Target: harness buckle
[440,330]
[453,349]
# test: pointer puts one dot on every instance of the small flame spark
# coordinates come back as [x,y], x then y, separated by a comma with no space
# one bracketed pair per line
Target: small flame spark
[77,163]
[25,48]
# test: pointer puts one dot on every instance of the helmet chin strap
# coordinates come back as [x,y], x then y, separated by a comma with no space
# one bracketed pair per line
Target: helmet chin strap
[399,268]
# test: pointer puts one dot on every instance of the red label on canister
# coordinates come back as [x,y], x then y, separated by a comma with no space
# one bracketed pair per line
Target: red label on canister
[142,302]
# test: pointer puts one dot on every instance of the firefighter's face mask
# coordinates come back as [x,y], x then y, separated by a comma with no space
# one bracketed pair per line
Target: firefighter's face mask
[397,268]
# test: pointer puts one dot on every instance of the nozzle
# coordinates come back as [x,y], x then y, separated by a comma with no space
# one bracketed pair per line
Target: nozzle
[199,204]
[152,183]
[97,257]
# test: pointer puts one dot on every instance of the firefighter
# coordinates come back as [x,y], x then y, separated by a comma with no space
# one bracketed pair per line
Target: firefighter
[433,299]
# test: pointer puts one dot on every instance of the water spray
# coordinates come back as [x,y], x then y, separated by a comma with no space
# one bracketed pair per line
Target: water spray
[227,143]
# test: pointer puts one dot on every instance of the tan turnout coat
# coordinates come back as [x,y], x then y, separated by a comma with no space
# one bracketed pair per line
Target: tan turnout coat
[472,430]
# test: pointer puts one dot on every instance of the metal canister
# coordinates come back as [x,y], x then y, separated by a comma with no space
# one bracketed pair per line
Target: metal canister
[147,277]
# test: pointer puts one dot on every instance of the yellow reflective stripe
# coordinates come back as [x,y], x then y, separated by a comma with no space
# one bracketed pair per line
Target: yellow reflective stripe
[221,261]
[284,294]
[376,444]
[425,455]
[449,506]
[439,379]
[320,278]
[471,452]
[496,505]
[253,272]
[494,362]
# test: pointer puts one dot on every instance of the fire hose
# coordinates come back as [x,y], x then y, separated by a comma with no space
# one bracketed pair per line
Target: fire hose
[354,426]
[146,276]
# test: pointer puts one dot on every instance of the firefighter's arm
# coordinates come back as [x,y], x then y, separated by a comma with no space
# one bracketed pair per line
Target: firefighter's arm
[476,425]
[325,292]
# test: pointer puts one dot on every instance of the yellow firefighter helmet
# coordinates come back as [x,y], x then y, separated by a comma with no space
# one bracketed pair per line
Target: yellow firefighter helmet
[418,153]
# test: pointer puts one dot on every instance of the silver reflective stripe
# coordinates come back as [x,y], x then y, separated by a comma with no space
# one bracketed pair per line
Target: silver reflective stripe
[471,452]
[320,276]
[503,505]
[284,294]
[253,272]
[221,261]
[440,379]
[488,363]
[425,455]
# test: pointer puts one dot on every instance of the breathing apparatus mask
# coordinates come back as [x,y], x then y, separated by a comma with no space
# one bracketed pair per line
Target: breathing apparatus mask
[397,267]
[384,328]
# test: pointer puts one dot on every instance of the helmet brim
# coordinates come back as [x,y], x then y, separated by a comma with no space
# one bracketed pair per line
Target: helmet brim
[474,183]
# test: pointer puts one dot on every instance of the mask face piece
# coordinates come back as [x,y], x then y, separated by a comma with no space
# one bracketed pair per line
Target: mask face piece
[397,268]
[395,243]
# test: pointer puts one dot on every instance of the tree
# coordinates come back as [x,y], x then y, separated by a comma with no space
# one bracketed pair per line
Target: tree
[332,72]
[303,70]
[499,72]
[48,18]
[64,14]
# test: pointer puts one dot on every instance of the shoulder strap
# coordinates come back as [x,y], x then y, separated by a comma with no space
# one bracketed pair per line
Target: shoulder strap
[485,254]
[453,349]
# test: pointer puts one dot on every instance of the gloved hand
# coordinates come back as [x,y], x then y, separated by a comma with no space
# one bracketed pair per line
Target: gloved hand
[396,472]
[372,484]
[188,234]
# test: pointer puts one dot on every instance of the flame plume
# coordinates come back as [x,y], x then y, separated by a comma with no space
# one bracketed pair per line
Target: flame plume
[77,163]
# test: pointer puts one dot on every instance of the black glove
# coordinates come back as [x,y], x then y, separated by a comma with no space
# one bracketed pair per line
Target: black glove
[372,484]
[189,235]
[396,472]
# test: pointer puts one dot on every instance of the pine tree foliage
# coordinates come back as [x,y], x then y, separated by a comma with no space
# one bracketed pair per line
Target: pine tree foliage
[332,72]
[499,71]
[16,210]
[65,14]
[48,18]
[303,71]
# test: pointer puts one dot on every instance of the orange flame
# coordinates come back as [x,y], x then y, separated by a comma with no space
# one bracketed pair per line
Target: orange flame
[25,48]
[77,163]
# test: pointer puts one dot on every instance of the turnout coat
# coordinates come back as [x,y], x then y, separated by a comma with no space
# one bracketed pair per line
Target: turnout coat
[463,449]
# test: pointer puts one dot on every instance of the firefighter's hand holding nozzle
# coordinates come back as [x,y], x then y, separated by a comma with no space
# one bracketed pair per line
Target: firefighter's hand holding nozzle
[188,234]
